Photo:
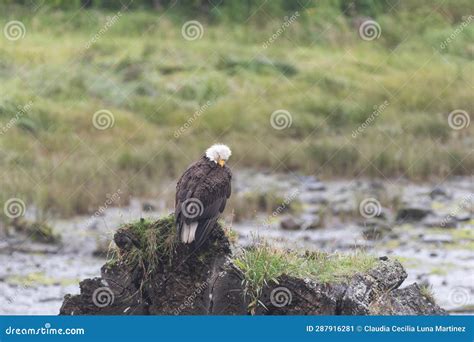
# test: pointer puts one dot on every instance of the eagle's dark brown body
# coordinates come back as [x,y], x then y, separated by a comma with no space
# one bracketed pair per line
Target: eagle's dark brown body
[201,196]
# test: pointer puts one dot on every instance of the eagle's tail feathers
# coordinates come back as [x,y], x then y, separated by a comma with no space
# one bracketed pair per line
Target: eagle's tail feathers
[188,232]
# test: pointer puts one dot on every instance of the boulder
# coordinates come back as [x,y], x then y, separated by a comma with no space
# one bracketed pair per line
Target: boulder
[412,213]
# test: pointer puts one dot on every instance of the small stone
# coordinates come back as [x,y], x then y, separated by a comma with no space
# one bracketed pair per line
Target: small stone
[316,186]
[312,222]
[291,223]
[412,213]
[462,217]
[147,206]
[437,238]
[439,192]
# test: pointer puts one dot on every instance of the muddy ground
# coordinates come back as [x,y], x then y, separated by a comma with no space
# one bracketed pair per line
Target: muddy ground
[429,227]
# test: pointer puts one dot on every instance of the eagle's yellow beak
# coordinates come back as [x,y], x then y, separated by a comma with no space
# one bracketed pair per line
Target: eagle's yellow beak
[221,162]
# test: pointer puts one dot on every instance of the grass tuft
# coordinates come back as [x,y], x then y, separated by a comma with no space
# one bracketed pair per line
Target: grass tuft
[263,264]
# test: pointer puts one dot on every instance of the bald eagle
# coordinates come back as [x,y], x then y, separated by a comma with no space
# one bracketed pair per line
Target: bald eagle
[201,195]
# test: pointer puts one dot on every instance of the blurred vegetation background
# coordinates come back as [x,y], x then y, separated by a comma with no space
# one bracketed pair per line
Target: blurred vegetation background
[79,57]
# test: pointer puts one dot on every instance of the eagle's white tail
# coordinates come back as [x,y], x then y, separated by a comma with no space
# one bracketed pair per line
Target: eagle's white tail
[188,232]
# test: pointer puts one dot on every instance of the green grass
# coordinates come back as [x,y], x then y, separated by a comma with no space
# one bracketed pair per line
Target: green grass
[155,243]
[153,81]
[262,264]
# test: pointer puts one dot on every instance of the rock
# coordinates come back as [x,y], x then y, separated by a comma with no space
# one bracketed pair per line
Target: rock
[406,301]
[437,238]
[316,186]
[312,222]
[412,213]
[433,221]
[462,217]
[151,275]
[291,223]
[148,206]
[364,289]
[35,231]
[295,296]
[439,192]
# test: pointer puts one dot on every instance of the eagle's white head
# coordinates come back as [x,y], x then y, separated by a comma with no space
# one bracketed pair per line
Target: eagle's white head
[218,153]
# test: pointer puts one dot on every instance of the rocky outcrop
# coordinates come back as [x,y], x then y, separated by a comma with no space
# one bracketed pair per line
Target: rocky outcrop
[184,281]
